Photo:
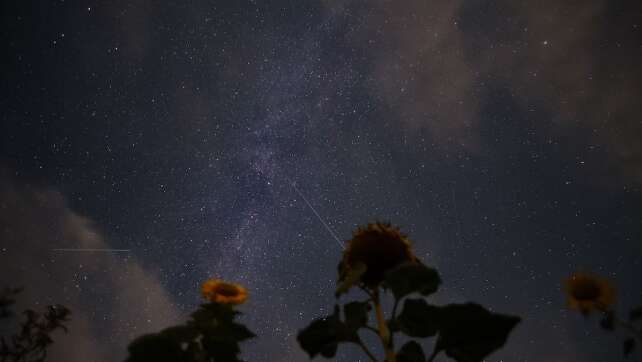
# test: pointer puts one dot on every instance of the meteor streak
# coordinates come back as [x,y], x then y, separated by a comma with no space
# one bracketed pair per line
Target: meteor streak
[94,250]
[317,214]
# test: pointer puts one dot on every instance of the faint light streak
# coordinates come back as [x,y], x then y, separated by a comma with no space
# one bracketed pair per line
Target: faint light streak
[94,250]
[317,214]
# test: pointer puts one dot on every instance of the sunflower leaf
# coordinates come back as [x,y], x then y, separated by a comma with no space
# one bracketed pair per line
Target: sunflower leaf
[411,352]
[352,278]
[410,278]
[211,334]
[418,318]
[180,333]
[469,332]
[356,314]
[323,335]
[156,347]
[220,350]
[213,311]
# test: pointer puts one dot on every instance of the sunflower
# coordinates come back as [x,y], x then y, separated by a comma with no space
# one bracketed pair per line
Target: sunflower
[379,247]
[588,292]
[218,291]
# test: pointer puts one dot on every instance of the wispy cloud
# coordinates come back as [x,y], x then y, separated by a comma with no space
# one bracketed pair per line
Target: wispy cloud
[112,297]
[434,62]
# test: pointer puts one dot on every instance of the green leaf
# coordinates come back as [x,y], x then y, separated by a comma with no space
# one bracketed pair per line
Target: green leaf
[217,350]
[469,333]
[350,279]
[411,352]
[207,313]
[356,314]
[323,335]
[410,278]
[216,321]
[180,333]
[418,318]
[210,335]
[628,346]
[156,347]
[635,314]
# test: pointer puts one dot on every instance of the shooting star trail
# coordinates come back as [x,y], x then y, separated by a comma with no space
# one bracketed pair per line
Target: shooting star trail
[317,214]
[94,250]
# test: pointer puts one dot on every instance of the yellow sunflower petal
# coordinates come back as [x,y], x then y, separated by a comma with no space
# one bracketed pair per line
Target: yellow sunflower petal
[219,291]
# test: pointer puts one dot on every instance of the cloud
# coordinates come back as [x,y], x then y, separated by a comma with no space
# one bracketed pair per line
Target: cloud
[113,298]
[419,65]
[584,62]
[433,61]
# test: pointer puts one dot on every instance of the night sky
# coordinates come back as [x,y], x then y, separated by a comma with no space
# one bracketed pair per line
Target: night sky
[504,137]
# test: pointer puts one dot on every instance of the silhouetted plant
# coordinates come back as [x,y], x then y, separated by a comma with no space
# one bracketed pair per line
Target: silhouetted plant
[590,294]
[31,342]
[210,335]
[380,258]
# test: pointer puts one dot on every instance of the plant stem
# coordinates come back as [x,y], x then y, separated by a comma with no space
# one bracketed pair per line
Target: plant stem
[384,332]
[393,319]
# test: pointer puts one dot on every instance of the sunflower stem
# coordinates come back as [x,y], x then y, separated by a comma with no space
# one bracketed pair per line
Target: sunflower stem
[384,332]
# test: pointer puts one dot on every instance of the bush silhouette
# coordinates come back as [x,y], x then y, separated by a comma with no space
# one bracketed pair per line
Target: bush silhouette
[34,337]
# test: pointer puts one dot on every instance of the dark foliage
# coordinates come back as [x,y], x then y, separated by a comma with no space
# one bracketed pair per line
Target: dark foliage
[469,333]
[410,278]
[34,337]
[465,332]
[210,335]
[411,352]
[323,335]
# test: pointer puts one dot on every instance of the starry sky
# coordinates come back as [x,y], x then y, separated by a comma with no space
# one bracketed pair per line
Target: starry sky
[215,139]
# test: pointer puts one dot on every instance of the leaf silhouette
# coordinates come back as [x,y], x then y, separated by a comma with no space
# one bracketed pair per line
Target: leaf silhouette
[323,335]
[410,278]
[411,352]
[469,332]
[418,318]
